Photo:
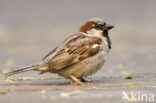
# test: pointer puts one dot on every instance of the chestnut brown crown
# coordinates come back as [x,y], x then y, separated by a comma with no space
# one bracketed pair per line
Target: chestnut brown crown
[95,23]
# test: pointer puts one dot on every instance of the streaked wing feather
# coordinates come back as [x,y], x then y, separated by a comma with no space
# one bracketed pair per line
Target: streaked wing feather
[68,41]
[75,51]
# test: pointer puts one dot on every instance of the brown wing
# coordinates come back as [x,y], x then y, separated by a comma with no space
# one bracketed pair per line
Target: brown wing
[69,41]
[76,49]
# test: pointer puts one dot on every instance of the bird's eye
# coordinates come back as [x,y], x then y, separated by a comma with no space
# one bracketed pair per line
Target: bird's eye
[97,26]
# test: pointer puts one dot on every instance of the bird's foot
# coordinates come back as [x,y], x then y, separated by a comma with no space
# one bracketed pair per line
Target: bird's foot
[77,81]
[80,82]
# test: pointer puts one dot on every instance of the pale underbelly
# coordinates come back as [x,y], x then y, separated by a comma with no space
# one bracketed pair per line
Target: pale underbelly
[84,68]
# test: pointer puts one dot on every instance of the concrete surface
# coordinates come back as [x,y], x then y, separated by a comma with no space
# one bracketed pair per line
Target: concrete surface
[30,29]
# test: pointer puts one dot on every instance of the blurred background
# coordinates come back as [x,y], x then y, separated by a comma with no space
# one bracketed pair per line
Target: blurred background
[29,29]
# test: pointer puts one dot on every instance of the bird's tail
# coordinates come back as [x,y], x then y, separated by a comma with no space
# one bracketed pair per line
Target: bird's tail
[34,67]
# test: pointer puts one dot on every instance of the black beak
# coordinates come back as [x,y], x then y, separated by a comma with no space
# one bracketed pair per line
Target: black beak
[108,27]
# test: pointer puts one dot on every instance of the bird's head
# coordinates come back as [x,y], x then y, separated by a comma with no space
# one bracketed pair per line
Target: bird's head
[96,27]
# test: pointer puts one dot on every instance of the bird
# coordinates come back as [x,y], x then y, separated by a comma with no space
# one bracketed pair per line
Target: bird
[80,55]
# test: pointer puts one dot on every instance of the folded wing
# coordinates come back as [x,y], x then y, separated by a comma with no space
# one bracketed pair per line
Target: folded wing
[76,49]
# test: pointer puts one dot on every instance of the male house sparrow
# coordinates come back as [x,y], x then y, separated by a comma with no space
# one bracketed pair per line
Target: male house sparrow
[80,55]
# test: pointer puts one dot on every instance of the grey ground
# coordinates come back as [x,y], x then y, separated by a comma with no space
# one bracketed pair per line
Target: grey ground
[30,29]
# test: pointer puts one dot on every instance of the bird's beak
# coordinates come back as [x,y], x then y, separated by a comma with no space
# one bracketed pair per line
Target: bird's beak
[108,27]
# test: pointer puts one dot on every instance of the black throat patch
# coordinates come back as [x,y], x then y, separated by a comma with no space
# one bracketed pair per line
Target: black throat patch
[105,34]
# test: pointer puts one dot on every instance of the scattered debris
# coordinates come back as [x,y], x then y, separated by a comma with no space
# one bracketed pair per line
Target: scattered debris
[128,75]
[12,80]
[4,91]
[69,94]
[134,85]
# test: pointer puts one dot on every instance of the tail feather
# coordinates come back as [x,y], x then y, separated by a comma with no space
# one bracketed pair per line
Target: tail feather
[21,70]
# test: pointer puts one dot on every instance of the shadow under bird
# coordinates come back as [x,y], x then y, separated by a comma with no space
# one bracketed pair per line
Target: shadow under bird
[80,55]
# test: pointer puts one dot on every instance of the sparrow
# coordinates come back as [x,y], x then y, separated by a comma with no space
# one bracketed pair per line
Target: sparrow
[80,55]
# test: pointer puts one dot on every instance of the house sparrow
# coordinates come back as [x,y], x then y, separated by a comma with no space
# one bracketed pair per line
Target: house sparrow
[80,55]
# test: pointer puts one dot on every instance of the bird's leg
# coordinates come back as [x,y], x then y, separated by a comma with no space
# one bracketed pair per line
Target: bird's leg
[77,81]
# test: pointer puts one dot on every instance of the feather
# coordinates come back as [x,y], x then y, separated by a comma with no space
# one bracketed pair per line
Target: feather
[74,52]
[21,70]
